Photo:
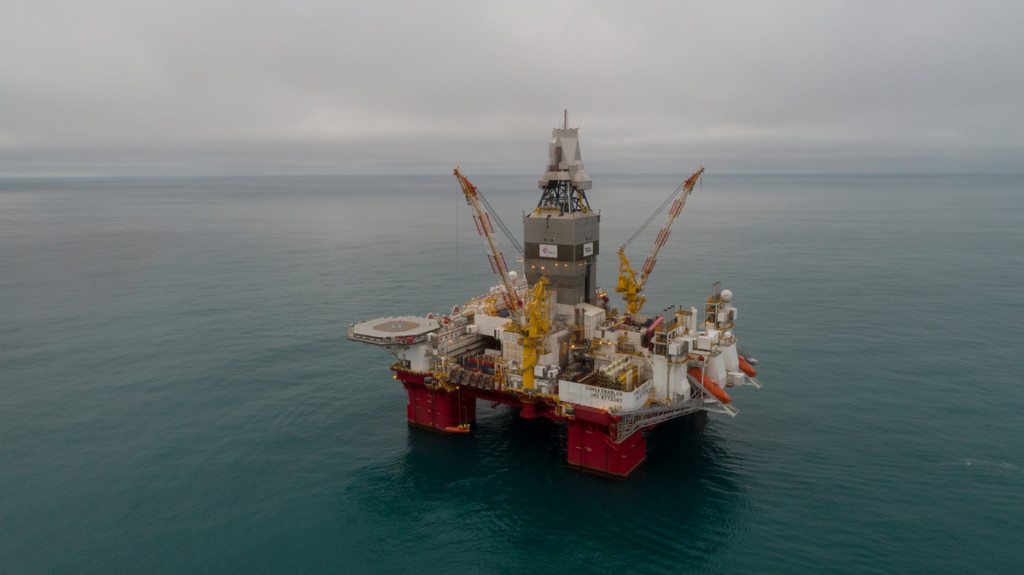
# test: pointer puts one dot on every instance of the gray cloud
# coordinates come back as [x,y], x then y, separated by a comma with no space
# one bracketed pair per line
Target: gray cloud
[335,87]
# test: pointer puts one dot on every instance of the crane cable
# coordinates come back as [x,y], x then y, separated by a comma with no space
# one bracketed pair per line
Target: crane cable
[653,216]
[501,225]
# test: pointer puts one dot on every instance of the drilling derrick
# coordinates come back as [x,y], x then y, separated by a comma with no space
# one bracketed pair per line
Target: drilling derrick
[561,233]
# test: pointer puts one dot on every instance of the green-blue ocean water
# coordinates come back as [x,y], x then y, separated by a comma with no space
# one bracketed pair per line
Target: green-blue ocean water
[177,394]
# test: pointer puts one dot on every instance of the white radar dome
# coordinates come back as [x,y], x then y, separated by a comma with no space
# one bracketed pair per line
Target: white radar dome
[513,276]
[726,295]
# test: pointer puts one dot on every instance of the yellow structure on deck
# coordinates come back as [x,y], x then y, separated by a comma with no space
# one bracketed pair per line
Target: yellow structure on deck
[534,330]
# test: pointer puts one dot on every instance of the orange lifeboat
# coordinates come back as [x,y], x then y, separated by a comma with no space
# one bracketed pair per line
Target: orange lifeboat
[710,385]
[746,367]
[464,428]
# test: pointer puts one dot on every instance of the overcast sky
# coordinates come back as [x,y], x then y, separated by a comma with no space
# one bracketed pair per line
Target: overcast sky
[332,87]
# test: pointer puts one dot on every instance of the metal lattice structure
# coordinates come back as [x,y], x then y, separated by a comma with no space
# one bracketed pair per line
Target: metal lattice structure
[560,196]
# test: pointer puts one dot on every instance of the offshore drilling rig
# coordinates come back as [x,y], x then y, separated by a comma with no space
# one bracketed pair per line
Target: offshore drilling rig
[546,341]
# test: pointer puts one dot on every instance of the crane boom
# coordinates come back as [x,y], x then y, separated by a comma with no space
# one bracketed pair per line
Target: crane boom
[482,219]
[630,284]
[530,321]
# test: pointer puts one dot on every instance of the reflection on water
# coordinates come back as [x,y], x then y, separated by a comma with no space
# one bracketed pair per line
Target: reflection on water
[508,483]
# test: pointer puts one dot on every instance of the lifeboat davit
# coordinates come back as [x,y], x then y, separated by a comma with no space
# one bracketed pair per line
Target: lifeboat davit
[747,368]
[710,385]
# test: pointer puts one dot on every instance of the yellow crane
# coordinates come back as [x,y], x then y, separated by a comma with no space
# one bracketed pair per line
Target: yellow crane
[534,331]
[529,320]
[630,285]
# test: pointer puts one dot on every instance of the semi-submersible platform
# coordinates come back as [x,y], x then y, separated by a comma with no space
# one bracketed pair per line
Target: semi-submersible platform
[546,341]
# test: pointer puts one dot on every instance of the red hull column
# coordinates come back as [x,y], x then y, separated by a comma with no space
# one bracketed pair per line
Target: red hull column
[592,449]
[436,409]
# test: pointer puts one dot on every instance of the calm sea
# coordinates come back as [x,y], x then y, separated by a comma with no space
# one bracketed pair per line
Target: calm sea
[177,394]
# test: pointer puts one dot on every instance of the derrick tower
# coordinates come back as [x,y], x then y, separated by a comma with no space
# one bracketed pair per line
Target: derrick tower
[560,236]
